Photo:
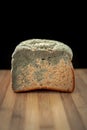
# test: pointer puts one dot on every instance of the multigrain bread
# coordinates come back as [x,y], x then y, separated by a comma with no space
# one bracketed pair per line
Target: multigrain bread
[42,64]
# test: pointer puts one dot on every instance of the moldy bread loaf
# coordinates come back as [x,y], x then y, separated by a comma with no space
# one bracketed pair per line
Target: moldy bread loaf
[42,64]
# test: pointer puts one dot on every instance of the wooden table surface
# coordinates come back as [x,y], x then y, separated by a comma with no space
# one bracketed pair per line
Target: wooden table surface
[43,110]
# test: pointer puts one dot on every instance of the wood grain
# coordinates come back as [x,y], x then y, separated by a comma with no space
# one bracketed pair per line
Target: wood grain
[43,110]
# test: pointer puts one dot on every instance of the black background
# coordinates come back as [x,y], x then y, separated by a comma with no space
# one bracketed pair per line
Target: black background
[67,25]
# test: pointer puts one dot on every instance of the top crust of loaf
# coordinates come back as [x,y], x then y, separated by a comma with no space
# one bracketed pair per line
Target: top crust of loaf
[44,45]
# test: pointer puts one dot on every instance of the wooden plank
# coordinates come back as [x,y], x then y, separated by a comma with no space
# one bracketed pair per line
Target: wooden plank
[80,98]
[18,114]
[81,86]
[6,108]
[73,116]
[4,85]
[81,107]
[43,110]
[2,75]
[59,115]
[32,112]
[83,75]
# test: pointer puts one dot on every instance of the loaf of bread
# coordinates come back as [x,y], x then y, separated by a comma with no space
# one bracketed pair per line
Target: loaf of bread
[42,64]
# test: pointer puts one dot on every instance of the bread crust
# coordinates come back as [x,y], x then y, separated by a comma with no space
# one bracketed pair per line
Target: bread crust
[73,80]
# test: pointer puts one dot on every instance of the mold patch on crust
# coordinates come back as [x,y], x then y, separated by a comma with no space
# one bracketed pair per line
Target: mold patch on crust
[47,45]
